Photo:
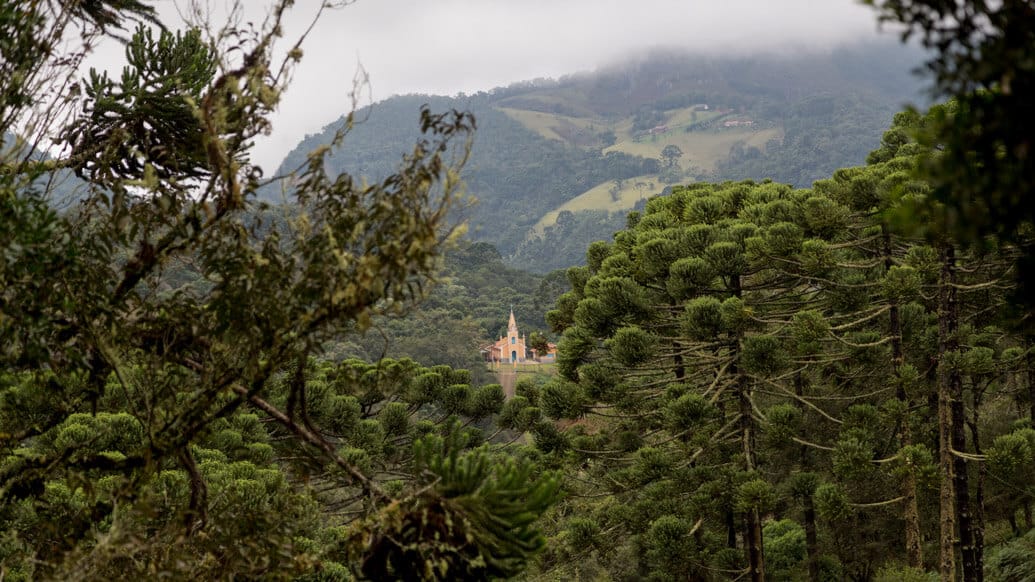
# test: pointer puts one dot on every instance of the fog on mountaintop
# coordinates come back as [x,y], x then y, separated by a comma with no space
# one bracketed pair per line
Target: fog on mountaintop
[452,46]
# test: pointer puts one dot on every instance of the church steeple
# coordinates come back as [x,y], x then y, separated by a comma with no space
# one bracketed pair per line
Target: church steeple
[511,349]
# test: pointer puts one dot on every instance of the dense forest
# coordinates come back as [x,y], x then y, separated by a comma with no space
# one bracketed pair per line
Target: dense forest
[801,375]
[825,372]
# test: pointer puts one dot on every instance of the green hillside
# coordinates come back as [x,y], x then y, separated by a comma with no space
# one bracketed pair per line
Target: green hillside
[577,131]
[561,145]
[705,149]
[610,196]
[515,174]
[700,134]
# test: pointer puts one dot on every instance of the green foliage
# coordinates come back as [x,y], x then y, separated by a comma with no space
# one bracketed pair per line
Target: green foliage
[146,126]
[901,284]
[669,548]
[689,277]
[904,574]
[631,346]
[473,523]
[754,495]
[783,421]
[763,355]
[982,59]
[163,412]
[561,399]
[702,318]
[776,340]
[810,329]
[803,485]
[785,547]
[583,533]
[832,502]
[1014,561]
[671,153]
[538,342]
[687,412]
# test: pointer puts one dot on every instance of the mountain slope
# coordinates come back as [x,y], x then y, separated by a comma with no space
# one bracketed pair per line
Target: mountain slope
[542,144]
[515,174]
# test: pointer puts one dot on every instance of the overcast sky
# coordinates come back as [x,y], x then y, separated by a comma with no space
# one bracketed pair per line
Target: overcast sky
[449,46]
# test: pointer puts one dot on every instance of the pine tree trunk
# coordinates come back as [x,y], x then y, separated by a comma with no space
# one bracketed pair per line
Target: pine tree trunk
[964,514]
[946,506]
[752,520]
[811,544]
[756,562]
[753,523]
[911,514]
[979,493]
[1029,344]
[677,361]
[909,485]
[809,506]
[731,529]
[951,376]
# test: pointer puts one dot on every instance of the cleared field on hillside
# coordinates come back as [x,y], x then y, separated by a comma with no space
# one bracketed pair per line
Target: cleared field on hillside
[546,124]
[676,120]
[599,197]
[700,148]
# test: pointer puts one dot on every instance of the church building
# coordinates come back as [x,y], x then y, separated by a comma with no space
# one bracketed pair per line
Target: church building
[510,349]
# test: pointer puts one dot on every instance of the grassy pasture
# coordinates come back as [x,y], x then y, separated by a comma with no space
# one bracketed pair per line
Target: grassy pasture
[676,120]
[599,197]
[703,148]
[547,124]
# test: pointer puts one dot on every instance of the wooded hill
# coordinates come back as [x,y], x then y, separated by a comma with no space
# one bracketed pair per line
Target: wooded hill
[592,143]
[468,305]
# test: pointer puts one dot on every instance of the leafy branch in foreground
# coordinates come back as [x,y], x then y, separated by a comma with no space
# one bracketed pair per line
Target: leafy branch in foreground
[147,415]
[472,522]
